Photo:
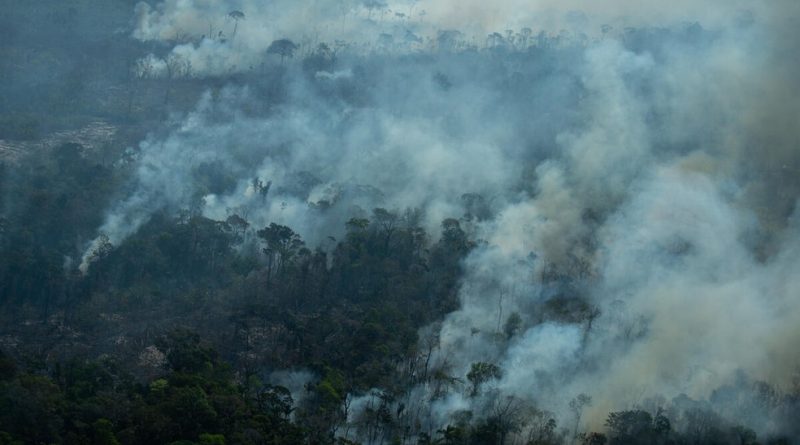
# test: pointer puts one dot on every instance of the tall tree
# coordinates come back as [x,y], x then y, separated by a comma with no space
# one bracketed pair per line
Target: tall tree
[282,244]
[235,15]
[282,47]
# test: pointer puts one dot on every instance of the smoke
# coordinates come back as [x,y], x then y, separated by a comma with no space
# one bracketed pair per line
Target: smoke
[685,301]
[642,183]
[217,41]
[295,381]
[675,255]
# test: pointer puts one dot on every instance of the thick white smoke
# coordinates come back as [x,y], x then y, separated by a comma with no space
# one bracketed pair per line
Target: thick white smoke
[659,182]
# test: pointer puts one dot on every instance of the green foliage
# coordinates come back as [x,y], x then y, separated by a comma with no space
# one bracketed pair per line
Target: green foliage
[159,386]
[637,427]
[212,439]
[103,433]
[480,373]
[8,369]
[189,404]
[282,245]
[31,408]
[185,352]
[7,439]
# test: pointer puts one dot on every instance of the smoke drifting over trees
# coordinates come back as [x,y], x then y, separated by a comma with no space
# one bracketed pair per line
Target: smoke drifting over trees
[423,221]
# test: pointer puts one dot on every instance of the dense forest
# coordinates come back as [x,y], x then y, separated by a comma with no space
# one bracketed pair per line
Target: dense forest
[406,222]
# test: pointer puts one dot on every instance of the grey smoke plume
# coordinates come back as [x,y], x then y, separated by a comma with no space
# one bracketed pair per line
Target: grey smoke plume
[653,174]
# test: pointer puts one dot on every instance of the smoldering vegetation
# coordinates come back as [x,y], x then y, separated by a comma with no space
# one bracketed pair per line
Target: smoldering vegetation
[410,222]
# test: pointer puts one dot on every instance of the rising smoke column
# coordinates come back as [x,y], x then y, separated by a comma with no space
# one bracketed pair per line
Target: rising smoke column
[686,302]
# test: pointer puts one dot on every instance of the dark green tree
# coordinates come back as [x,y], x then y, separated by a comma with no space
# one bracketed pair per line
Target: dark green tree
[282,244]
[480,373]
[282,47]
